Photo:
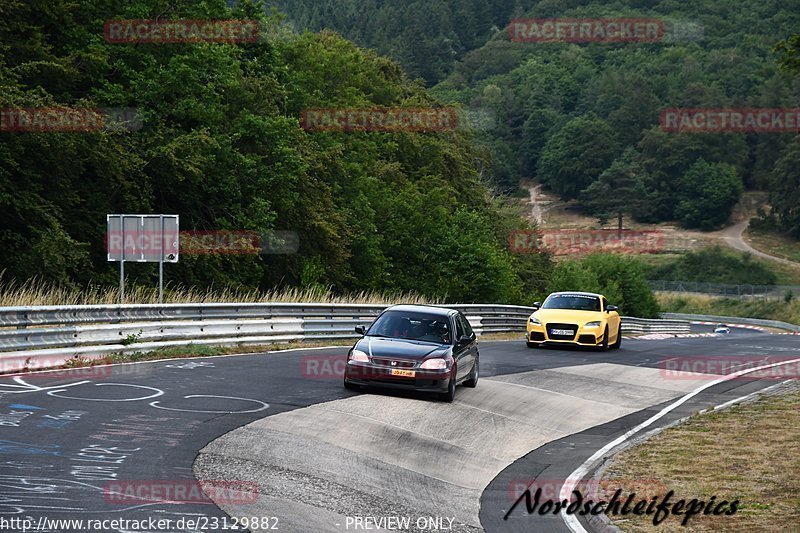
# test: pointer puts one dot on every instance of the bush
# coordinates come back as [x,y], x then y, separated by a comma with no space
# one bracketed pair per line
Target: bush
[619,278]
[715,265]
[763,221]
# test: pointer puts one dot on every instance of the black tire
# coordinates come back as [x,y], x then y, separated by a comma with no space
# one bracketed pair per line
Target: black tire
[450,395]
[472,382]
[532,344]
[604,346]
[618,343]
[350,386]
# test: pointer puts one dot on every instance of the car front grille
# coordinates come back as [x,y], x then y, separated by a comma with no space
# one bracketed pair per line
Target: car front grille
[571,327]
[382,361]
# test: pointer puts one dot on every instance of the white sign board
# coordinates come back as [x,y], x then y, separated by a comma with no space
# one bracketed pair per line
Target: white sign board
[143,238]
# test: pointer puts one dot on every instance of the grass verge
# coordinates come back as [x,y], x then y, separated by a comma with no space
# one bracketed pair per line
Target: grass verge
[783,310]
[747,453]
[774,243]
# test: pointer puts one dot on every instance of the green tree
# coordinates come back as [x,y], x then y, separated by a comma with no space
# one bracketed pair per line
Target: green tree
[666,157]
[789,52]
[619,278]
[619,190]
[576,155]
[707,194]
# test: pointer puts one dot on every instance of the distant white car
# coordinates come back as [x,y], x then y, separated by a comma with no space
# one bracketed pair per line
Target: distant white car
[722,328]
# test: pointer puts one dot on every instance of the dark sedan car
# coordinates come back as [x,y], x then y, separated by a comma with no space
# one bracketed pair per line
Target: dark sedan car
[414,347]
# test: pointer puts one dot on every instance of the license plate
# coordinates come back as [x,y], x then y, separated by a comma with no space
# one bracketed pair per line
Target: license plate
[403,373]
[567,332]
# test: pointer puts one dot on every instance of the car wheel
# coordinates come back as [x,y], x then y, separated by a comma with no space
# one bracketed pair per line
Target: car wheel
[618,342]
[350,386]
[604,345]
[450,395]
[532,344]
[472,382]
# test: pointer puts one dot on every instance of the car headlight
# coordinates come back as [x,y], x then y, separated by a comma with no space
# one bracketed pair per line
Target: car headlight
[535,321]
[593,324]
[359,356]
[434,364]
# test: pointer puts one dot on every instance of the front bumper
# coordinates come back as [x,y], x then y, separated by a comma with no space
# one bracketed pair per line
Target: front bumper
[583,337]
[369,375]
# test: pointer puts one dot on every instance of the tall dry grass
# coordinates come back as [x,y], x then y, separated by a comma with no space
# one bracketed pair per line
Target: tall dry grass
[38,292]
[786,310]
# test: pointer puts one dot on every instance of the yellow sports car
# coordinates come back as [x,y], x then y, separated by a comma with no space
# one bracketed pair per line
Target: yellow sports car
[579,318]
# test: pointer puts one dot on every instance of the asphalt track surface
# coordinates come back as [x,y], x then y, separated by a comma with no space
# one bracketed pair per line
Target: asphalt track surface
[73,447]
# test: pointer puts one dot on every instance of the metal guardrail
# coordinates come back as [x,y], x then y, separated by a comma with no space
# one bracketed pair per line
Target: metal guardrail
[116,314]
[75,330]
[57,333]
[642,325]
[734,320]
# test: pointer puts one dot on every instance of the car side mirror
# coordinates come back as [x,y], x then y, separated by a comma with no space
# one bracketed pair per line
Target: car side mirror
[464,340]
[537,305]
[361,330]
[612,308]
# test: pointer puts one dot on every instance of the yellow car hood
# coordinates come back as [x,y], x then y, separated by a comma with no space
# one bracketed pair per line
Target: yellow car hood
[568,316]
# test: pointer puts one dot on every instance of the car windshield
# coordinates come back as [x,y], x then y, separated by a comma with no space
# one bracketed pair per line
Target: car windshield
[412,326]
[579,302]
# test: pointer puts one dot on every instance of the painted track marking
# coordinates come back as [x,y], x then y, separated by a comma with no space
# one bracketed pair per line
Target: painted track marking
[566,490]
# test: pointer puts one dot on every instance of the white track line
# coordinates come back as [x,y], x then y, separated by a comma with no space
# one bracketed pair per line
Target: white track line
[566,490]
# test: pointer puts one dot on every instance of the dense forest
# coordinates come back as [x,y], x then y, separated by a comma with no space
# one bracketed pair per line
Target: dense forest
[584,118]
[220,144]
[426,37]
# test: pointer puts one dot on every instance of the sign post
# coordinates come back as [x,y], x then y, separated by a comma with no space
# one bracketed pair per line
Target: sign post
[122,267]
[161,265]
[143,239]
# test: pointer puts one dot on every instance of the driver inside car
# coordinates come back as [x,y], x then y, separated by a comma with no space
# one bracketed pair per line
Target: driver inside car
[442,331]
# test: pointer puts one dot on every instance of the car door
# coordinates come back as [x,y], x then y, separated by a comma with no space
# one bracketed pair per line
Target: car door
[460,351]
[613,320]
[469,350]
[473,348]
